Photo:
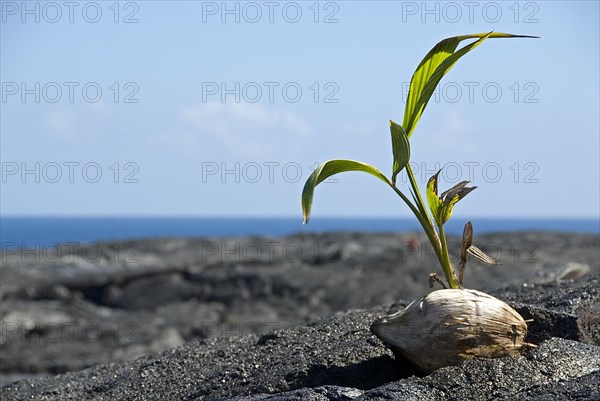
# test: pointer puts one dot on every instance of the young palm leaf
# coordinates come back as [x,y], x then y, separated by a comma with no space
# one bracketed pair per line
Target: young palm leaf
[441,206]
[433,199]
[432,69]
[451,198]
[328,169]
[400,149]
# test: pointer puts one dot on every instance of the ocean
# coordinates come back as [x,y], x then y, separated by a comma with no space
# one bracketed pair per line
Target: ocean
[31,232]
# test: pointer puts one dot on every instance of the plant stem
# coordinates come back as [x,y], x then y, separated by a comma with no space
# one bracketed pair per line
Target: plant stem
[415,188]
[449,271]
[439,243]
[429,231]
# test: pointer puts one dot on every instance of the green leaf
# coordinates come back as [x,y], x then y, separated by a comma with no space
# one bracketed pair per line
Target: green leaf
[433,67]
[451,197]
[446,196]
[400,149]
[433,199]
[328,169]
[441,206]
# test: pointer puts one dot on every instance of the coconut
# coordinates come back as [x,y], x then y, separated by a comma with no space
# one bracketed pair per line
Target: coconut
[446,327]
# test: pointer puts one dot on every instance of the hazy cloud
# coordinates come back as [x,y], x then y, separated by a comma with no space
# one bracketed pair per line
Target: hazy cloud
[72,124]
[236,128]
[63,124]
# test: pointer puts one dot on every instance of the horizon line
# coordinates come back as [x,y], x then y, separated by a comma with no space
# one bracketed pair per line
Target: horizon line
[232,217]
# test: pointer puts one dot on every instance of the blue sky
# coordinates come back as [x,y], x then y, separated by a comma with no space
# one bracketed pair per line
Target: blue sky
[158,108]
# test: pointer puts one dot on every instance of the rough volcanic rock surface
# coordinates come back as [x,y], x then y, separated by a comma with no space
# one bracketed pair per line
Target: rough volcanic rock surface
[567,309]
[347,365]
[558,370]
[335,358]
[140,298]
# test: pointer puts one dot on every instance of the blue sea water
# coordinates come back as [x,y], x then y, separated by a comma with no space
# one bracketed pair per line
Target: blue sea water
[42,231]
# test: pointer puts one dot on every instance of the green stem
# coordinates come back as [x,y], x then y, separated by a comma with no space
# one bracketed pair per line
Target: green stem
[427,227]
[449,271]
[439,243]
[431,233]
[415,188]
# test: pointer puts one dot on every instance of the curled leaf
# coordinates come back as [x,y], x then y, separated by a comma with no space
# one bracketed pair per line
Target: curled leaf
[451,198]
[400,149]
[432,197]
[326,170]
[467,240]
[441,206]
[451,193]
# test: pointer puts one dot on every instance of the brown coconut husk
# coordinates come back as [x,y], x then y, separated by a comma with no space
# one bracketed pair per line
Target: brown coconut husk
[449,326]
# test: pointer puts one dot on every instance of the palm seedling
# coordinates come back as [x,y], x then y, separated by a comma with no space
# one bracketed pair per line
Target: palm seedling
[463,323]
